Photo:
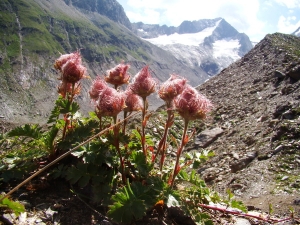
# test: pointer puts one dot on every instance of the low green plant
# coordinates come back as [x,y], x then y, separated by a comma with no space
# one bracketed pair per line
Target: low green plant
[127,170]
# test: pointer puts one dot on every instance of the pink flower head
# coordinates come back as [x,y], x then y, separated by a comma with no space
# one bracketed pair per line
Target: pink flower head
[133,102]
[65,58]
[73,71]
[143,84]
[97,87]
[191,105]
[110,102]
[118,75]
[171,88]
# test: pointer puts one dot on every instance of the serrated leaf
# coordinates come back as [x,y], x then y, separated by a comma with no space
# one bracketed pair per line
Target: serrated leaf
[128,203]
[238,205]
[15,206]
[27,130]
[126,209]
[75,173]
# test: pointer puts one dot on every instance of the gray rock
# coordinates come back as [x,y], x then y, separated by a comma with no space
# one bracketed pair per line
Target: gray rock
[242,163]
[206,137]
[279,74]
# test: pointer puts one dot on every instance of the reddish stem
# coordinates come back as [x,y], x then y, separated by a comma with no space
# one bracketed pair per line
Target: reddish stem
[269,220]
[179,151]
[143,136]
[117,146]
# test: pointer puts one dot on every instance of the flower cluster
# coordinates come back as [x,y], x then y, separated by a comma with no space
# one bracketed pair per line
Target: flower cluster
[72,71]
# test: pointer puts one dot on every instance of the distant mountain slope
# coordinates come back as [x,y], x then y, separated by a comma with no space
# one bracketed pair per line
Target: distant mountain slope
[211,44]
[34,33]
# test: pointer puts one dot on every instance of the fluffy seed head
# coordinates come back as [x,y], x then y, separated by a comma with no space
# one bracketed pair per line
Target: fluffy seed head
[143,84]
[171,88]
[133,102]
[97,87]
[110,102]
[118,75]
[72,71]
[191,105]
[66,57]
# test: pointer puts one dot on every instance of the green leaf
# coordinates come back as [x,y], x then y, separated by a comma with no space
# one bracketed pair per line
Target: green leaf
[55,112]
[49,138]
[138,159]
[74,174]
[230,194]
[128,204]
[15,206]
[238,205]
[27,130]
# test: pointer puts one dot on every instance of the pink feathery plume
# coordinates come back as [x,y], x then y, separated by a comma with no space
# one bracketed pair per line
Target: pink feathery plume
[191,105]
[144,84]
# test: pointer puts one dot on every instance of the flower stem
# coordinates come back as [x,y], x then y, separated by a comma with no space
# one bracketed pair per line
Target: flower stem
[117,146]
[162,144]
[143,136]
[179,151]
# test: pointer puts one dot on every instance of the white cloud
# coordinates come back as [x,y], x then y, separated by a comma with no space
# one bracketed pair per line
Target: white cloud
[289,3]
[242,15]
[288,24]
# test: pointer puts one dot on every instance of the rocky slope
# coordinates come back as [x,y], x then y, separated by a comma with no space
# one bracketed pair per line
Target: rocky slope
[210,44]
[35,32]
[255,127]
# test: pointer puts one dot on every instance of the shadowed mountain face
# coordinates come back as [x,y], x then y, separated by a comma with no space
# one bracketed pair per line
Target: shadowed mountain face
[35,32]
[209,44]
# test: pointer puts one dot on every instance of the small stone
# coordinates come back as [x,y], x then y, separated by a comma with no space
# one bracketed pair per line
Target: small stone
[285,178]
[278,74]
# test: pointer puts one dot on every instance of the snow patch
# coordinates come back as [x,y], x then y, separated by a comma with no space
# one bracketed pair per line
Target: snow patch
[223,48]
[190,39]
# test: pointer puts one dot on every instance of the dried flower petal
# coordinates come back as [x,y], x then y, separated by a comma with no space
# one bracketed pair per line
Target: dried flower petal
[118,75]
[110,102]
[191,105]
[171,88]
[143,84]
[97,87]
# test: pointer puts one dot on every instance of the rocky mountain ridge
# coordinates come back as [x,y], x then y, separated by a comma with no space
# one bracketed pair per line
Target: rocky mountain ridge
[255,127]
[209,44]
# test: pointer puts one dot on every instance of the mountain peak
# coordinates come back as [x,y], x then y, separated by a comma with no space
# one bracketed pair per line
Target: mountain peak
[111,9]
[211,44]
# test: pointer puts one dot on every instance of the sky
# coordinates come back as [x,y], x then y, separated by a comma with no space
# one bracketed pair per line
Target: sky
[256,18]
